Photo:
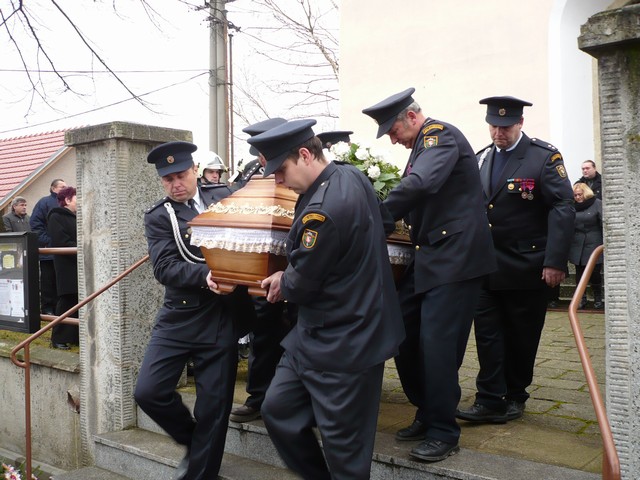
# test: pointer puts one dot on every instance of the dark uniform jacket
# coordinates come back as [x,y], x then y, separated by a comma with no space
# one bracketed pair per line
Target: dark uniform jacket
[531,213]
[340,277]
[588,231]
[16,223]
[190,312]
[442,198]
[253,168]
[63,232]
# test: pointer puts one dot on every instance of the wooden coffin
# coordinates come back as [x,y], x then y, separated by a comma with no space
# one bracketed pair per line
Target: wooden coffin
[247,241]
[243,236]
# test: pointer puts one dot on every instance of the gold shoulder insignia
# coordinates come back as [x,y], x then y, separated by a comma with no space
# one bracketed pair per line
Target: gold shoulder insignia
[434,126]
[313,216]
[555,157]
[561,171]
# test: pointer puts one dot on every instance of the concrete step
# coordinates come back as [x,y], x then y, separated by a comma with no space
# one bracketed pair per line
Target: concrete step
[89,473]
[142,455]
[391,458]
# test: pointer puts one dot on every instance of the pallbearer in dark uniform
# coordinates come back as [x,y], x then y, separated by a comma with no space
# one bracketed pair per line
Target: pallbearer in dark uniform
[193,322]
[349,323]
[273,320]
[256,166]
[333,137]
[529,203]
[441,200]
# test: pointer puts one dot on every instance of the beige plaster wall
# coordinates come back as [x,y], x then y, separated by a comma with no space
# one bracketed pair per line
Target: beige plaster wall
[456,52]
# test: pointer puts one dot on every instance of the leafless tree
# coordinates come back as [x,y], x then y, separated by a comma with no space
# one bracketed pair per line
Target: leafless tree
[294,49]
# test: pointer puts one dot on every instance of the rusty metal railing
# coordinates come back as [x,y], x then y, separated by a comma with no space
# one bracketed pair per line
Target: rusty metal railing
[64,318]
[610,460]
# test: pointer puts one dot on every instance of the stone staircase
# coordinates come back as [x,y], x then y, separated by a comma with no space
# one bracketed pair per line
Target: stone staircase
[146,453]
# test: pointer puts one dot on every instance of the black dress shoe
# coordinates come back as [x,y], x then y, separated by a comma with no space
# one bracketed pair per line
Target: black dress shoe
[515,410]
[244,413]
[60,346]
[432,450]
[183,466]
[481,414]
[413,432]
[552,304]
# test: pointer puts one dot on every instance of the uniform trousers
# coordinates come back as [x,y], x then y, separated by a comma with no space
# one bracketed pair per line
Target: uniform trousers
[437,324]
[343,405]
[268,331]
[508,325]
[215,367]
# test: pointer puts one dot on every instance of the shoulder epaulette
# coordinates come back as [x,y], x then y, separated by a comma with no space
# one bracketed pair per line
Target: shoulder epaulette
[156,205]
[543,144]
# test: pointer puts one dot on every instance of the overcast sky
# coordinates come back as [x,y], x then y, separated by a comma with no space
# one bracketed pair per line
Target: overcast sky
[166,63]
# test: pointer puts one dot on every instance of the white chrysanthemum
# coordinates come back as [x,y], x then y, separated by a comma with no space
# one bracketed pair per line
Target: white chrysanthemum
[362,153]
[329,155]
[373,172]
[340,149]
[379,154]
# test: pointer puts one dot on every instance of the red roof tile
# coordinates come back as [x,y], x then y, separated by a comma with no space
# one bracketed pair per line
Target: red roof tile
[21,156]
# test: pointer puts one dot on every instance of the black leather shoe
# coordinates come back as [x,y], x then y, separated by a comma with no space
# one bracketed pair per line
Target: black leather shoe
[244,413]
[60,346]
[181,469]
[552,304]
[481,414]
[515,410]
[413,432]
[598,305]
[432,450]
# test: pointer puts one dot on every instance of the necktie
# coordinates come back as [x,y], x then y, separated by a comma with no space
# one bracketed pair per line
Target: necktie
[192,206]
[500,159]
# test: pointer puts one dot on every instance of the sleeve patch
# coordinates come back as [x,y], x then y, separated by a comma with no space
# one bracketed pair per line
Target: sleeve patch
[435,126]
[555,157]
[313,216]
[309,238]
[561,171]
[430,142]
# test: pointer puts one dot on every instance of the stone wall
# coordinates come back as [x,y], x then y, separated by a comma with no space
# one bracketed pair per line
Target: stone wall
[613,37]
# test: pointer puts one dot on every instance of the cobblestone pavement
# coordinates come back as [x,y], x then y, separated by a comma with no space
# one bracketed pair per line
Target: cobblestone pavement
[559,426]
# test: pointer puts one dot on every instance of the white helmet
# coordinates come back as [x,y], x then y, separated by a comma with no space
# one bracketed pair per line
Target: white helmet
[210,161]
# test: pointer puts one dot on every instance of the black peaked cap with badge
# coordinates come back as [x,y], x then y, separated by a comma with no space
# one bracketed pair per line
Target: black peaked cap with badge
[261,127]
[276,143]
[386,111]
[334,137]
[172,157]
[504,111]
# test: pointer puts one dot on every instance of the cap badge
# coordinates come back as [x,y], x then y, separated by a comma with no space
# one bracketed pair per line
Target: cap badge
[170,159]
[502,112]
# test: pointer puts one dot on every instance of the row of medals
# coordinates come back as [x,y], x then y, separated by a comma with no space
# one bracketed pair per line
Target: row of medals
[527,194]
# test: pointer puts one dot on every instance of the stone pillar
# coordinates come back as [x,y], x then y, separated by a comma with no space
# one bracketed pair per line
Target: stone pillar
[613,37]
[115,186]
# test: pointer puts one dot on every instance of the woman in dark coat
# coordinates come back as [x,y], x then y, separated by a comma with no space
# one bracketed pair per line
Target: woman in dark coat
[63,232]
[587,236]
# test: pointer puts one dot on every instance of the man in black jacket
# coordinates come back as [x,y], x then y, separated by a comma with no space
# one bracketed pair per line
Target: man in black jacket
[529,203]
[339,275]
[194,322]
[441,200]
[591,177]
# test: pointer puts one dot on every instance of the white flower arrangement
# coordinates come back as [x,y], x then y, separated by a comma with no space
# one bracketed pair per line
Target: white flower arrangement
[384,176]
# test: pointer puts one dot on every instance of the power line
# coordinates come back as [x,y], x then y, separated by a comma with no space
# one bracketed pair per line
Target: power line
[23,70]
[105,106]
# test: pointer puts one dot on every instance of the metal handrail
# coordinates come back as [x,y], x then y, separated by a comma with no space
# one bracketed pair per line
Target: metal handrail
[610,460]
[26,363]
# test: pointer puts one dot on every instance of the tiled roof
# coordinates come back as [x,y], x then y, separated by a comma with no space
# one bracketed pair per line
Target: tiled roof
[21,156]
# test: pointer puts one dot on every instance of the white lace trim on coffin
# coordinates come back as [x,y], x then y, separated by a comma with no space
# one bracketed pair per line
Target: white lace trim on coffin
[240,239]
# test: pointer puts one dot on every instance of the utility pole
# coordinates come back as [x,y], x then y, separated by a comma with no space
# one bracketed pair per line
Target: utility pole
[218,85]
